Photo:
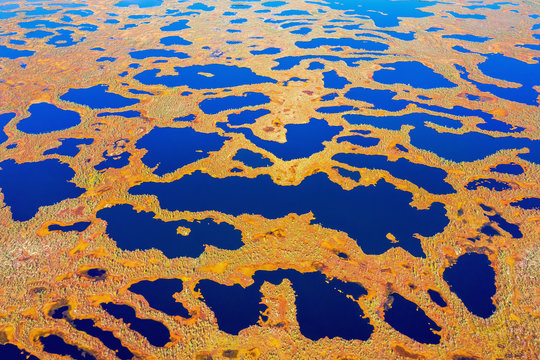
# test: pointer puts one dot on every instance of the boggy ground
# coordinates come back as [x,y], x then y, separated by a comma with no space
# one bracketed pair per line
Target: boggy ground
[281,57]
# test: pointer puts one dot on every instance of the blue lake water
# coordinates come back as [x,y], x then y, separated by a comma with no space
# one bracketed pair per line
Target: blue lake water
[471,146]
[510,168]
[106,337]
[402,148]
[12,352]
[292,13]
[302,31]
[490,184]
[488,230]
[358,140]
[527,203]
[132,230]
[303,140]
[472,279]
[396,122]
[289,62]
[4,120]
[274,4]
[384,99]
[96,273]
[383,13]
[159,295]
[353,175]
[523,94]
[510,69]
[187,118]
[89,327]
[251,159]
[78,226]
[11,53]
[411,73]
[336,109]
[240,6]
[38,34]
[467,16]
[238,21]
[176,26]
[63,38]
[69,146]
[316,65]
[164,145]
[98,97]
[149,53]
[28,186]
[140,92]
[323,306]
[405,36]
[154,331]
[246,116]
[332,80]
[267,51]
[529,46]
[201,6]
[82,13]
[46,118]
[437,298]
[495,6]
[417,98]
[212,76]
[139,3]
[54,344]
[127,114]
[368,45]
[381,99]
[506,68]
[489,124]
[468,37]
[409,319]
[48,24]
[216,105]
[329,97]
[294,79]
[429,178]
[174,40]
[510,228]
[106,58]
[113,161]
[365,224]
[236,308]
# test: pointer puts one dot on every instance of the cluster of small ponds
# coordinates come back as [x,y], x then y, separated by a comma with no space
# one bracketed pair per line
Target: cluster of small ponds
[325,307]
